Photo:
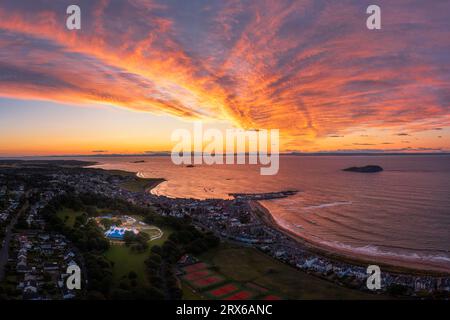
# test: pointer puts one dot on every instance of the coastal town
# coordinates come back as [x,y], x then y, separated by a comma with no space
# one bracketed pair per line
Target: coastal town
[32,258]
[35,261]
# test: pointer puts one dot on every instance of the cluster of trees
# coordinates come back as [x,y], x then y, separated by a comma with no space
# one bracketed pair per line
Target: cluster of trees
[193,241]
[85,233]
[4,198]
[88,237]
[8,287]
[21,223]
[115,204]
[161,262]
[137,242]
[12,178]
[397,290]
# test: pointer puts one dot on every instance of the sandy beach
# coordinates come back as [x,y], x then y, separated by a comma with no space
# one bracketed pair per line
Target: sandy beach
[388,264]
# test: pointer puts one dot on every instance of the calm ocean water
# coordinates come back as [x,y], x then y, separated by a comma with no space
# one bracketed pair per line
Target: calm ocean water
[402,213]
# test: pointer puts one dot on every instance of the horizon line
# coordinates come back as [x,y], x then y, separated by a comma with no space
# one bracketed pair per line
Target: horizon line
[292,153]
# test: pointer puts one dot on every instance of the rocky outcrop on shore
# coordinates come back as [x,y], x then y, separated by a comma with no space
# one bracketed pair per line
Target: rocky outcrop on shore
[263,196]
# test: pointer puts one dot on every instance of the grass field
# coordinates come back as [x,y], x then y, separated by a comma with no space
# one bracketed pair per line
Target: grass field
[190,294]
[68,216]
[153,232]
[249,265]
[160,241]
[140,184]
[126,260]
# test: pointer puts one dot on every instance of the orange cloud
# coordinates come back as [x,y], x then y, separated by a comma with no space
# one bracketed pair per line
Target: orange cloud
[308,68]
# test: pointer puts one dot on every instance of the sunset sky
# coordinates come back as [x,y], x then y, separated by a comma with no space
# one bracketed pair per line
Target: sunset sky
[138,69]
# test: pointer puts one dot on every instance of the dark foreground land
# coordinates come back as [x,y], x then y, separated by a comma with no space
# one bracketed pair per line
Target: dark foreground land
[50,211]
[247,264]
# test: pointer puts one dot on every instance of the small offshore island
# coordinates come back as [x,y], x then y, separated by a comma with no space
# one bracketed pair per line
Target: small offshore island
[191,248]
[365,169]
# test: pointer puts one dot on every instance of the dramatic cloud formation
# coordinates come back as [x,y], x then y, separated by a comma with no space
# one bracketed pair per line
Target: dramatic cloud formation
[310,68]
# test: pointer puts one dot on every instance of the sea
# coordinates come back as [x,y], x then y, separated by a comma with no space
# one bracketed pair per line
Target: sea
[401,214]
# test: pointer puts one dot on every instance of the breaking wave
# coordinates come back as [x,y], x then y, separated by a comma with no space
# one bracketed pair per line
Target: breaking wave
[376,251]
[327,205]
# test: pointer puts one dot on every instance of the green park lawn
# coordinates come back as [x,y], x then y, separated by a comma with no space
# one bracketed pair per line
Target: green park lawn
[244,265]
[239,264]
[123,258]
[140,184]
[126,260]
[68,216]
[189,294]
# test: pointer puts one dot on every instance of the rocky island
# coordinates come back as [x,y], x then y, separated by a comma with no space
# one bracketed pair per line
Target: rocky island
[365,169]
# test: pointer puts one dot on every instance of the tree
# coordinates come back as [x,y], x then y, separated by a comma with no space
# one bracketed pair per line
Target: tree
[397,289]
[92,211]
[156,249]
[107,223]
[154,294]
[95,295]
[129,237]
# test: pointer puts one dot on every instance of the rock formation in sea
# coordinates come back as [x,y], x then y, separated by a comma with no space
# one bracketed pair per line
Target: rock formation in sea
[365,169]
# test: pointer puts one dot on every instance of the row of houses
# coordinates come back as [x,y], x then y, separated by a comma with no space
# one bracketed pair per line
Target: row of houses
[234,219]
[41,261]
[10,201]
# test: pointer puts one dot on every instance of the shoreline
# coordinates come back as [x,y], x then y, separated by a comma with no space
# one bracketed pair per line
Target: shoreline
[245,220]
[397,266]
